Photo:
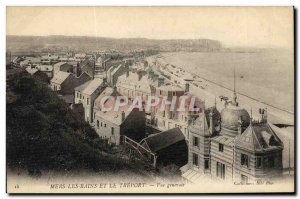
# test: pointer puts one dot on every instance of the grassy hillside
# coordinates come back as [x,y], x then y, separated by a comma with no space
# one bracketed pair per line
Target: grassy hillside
[77,43]
[44,134]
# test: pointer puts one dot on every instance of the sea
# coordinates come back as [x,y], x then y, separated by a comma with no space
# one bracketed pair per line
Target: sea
[266,75]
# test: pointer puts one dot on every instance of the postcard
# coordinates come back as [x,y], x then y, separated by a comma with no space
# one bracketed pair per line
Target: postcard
[130,100]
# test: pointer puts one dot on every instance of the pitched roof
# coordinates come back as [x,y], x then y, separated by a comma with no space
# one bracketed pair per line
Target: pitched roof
[224,139]
[116,69]
[92,86]
[45,68]
[82,86]
[49,57]
[81,55]
[133,82]
[108,91]
[112,116]
[60,77]
[171,87]
[59,64]
[201,125]
[258,137]
[31,70]
[164,139]
[33,59]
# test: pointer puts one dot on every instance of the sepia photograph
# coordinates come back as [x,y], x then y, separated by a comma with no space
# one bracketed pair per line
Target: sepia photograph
[150,99]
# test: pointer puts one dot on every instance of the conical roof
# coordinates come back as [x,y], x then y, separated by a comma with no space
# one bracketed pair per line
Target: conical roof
[258,137]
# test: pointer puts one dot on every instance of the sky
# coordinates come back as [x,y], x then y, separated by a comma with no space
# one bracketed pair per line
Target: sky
[233,26]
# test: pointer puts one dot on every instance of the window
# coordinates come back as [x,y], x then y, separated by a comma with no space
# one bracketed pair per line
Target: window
[244,160]
[206,164]
[77,94]
[196,141]
[195,160]
[271,161]
[258,162]
[221,147]
[101,124]
[220,170]
[104,125]
[98,123]
[112,130]
[80,95]
[87,101]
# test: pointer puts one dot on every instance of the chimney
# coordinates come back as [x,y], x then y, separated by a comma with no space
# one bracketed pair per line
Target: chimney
[160,81]
[187,87]
[77,70]
[263,113]
[123,116]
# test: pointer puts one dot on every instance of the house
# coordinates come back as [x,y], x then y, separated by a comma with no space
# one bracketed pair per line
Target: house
[87,66]
[16,60]
[64,82]
[230,146]
[114,72]
[199,140]
[145,83]
[111,125]
[38,74]
[29,61]
[168,146]
[24,63]
[132,84]
[62,66]
[258,153]
[49,59]
[80,56]
[47,69]
[86,94]
[34,60]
